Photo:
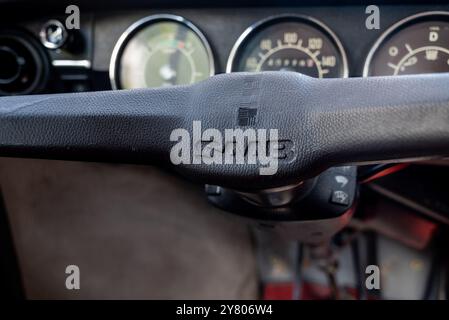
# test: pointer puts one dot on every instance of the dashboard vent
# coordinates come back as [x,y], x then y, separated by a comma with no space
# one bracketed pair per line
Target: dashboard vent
[24,66]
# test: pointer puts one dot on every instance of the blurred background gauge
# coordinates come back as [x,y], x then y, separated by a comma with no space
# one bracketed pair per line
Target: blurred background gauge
[160,50]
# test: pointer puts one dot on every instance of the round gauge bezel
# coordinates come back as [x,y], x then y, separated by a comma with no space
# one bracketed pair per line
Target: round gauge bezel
[262,24]
[139,25]
[397,27]
[37,53]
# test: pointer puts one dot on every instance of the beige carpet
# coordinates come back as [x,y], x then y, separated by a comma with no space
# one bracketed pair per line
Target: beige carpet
[135,233]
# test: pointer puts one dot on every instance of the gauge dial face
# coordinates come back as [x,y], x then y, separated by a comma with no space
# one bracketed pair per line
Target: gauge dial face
[289,43]
[419,44]
[161,52]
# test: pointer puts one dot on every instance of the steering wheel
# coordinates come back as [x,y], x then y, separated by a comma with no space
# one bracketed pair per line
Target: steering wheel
[323,127]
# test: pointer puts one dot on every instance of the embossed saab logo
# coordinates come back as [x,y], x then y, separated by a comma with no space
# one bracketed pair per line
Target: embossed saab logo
[246,117]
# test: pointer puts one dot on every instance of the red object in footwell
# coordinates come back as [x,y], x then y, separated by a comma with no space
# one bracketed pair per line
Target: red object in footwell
[309,291]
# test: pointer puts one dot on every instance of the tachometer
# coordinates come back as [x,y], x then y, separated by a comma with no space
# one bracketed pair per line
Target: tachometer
[161,50]
[289,43]
[414,45]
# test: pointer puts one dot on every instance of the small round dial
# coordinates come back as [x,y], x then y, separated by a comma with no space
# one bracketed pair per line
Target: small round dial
[289,43]
[159,51]
[415,45]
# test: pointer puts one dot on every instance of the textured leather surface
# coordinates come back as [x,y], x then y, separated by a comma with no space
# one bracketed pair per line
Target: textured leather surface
[329,122]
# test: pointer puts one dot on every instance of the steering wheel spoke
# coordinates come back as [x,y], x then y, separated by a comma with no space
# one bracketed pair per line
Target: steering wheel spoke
[319,123]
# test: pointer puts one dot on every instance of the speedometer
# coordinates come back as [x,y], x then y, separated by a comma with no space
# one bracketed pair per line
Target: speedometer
[158,51]
[415,45]
[289,43]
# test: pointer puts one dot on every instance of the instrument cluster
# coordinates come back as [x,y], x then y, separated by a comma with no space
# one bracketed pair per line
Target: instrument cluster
[165,50]
[127,50]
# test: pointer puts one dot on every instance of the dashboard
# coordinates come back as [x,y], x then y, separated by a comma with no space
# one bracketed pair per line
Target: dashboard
[137,46]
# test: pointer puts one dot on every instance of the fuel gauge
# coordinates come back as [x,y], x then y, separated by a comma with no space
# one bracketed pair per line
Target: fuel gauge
[418,44]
